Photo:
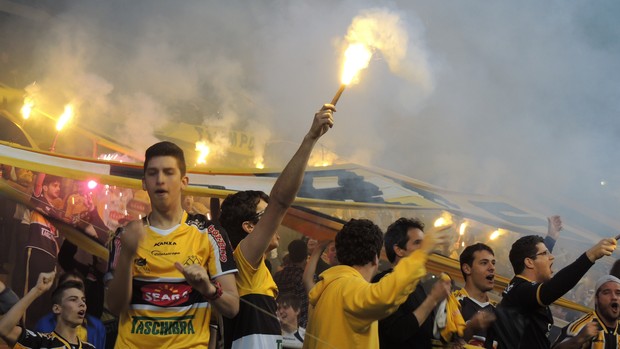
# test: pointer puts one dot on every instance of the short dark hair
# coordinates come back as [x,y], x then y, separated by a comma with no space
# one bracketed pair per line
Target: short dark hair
[297,251]
[396,234]
[467,256]
[358,242]
[48,179]
[524,247]
[61,288]
[70,274]
[238,208]
[289,299]
[166,149]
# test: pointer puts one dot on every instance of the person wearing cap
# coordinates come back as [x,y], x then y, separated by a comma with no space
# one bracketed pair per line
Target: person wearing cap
[599,328]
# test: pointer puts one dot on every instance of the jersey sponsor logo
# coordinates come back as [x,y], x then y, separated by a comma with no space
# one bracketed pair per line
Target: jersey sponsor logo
[166,295]
[141,265]
[162,326]
[165,243]
[48,234]
[198,223]
[162,253]
[221,244]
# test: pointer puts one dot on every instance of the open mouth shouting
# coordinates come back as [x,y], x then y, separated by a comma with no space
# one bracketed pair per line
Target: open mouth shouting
[160,192]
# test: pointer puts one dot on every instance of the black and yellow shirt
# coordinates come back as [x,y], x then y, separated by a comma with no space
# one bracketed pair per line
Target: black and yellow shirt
[256,324]
[606,338]
[165,312]
[33,340]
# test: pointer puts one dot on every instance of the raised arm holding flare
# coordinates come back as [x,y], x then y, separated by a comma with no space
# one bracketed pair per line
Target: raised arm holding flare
[252,219]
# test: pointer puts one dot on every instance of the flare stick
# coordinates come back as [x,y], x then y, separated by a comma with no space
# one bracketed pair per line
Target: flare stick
[338,94]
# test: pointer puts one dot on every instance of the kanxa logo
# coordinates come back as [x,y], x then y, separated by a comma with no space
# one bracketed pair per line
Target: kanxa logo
[192,260]
[165,243]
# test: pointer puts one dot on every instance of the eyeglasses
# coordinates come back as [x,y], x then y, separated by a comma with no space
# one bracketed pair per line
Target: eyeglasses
[256,217]
[545,253]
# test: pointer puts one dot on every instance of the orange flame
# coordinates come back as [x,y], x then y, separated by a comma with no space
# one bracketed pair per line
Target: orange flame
[445,219]
[65,117]
[462,228]
[203,151]
[356,57]
[259,162]
[27,108]
[494,235]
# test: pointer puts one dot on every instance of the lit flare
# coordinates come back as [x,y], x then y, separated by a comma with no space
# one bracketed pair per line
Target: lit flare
[203,151]
[462,228]
[259,162]
[356,57]
[494,235]
[27,108]
[65,117]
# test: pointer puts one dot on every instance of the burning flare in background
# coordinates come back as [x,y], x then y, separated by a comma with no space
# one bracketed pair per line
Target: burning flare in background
[494,235]
[65,117]
[445,219]
[27,108]
[259,162]
[203,152]
[462,228]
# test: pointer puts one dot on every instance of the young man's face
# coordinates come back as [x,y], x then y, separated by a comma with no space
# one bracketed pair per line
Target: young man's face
[287,315]
[543,261]
[415,236]
[52,190]
[163,182]
[72,307]
[414,242]
[481,274]
[608,301]
[330,253]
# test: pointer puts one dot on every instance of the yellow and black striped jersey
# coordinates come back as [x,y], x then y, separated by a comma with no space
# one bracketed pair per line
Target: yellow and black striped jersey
[165,312]
[34,340]
[256,324]
[606,338]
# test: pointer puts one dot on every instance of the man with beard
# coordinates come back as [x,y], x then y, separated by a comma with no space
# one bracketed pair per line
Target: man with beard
[524,318]
[597,329]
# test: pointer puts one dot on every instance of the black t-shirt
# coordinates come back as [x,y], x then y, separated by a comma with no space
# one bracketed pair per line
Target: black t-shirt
[401,329]
[522,294]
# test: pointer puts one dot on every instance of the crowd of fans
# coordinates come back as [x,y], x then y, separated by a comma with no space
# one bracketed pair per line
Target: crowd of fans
[179,279]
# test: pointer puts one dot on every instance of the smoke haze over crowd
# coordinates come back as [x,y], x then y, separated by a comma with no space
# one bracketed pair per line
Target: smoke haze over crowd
[517,99]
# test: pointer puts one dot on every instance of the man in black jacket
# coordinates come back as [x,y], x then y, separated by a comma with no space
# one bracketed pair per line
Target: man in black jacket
[524,318]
